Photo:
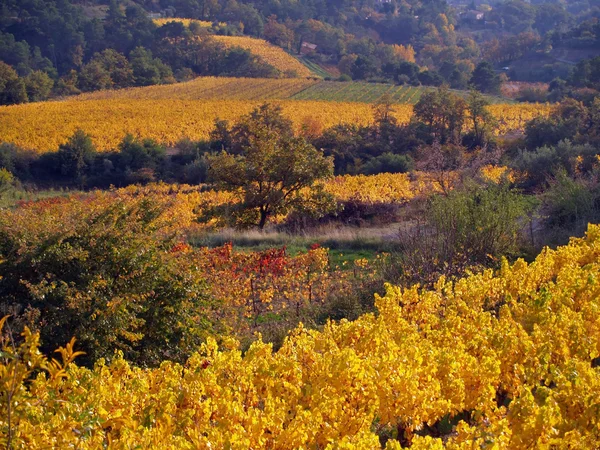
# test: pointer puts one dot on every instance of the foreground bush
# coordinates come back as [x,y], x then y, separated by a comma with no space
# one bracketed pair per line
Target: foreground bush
[103,269]
[513,355]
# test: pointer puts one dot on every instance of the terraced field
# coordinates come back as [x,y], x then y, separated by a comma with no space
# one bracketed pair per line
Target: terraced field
[316,69]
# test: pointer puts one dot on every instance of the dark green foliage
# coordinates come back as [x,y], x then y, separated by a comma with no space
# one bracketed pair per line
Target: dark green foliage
[135,154]
[470,227]
[38,86]
[388,163]
[442,113]
[571,120]
[484,78]
[542,163]
[587,74]
[109,278]
[570,204]
[12,88]
[76,156]
[148,70]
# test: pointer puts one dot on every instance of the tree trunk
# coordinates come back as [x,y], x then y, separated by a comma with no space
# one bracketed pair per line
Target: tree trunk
[263,219]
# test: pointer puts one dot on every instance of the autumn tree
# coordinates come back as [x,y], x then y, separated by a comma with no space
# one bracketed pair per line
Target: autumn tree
[274,171]
[442,113]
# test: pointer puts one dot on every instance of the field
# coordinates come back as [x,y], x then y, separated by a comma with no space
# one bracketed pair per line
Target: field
[45,126]
[171,112]
[269,53]
[504,359]
[362,92]
[211,88]
[206,88]
[319,70]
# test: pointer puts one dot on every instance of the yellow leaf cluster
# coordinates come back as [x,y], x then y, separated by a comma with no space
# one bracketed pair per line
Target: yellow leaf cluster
[170,113]
[268,52]
[515,350]
[186,22]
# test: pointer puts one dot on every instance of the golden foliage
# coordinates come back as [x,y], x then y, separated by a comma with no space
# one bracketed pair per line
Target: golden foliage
[407,53]
[209,88]
[269,53]
[45,126]
[171,113]
[513,350]
[382,188]
[186,22]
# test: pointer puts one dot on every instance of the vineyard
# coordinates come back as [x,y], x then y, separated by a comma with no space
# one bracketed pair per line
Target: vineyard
[272,89]
[171,113]
[210,88]
[505,360]
[269,53]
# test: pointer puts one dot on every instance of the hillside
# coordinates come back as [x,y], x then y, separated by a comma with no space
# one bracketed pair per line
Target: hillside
[171,112]
[210,88]
[207,88]
[269,53]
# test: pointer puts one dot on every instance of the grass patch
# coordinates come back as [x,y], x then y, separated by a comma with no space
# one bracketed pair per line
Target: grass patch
[10,198]
[345,243]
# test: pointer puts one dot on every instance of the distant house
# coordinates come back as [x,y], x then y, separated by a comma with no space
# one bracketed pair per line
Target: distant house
[307,48]
[167,12]
[473,16]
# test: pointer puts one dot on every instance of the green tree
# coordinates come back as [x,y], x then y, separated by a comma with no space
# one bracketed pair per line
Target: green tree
[38,85]
[135,154]
[442,113]
[94,77]
[147,70]
[117,66]
[468,228]
[12,88]
[107,276]
[7,181]
[275,172]
[485,79]
[480,119]
[76,156]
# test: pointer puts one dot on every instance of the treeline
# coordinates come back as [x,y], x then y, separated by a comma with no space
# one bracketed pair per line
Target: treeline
[416,42]
[49,49]
[75,59]
[384,146]
[581,84]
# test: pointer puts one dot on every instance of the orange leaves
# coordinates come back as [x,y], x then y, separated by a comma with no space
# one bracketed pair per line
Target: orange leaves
[250,284]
